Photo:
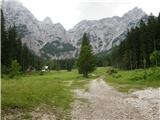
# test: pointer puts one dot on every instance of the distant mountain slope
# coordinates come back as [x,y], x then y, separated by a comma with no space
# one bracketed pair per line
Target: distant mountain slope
[42,36]
[103,32]
[34,33]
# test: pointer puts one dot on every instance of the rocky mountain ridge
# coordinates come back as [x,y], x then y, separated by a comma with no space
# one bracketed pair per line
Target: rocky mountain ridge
[103,32]
[52,40]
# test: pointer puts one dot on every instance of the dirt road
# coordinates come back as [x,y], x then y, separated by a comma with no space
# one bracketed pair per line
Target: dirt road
[103,102]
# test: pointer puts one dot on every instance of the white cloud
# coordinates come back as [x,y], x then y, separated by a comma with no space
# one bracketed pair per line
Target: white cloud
[70,12]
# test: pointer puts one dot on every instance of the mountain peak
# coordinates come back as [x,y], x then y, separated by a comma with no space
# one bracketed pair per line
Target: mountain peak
[135,11]
[59,26]
[48,20]
[136,8]
[134,14]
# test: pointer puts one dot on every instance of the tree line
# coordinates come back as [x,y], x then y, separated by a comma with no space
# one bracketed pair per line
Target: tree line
[67,64]
[140,49]
[14,54]
[12,49]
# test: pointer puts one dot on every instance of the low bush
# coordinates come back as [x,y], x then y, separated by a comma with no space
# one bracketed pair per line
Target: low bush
[112,71]
[15,69]
[41,73]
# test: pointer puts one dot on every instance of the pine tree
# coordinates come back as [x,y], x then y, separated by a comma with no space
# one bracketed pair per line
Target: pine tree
[15,69]
[154,57]
[12,37]
[159,17]
[4,42]
[86,61]
[136,50]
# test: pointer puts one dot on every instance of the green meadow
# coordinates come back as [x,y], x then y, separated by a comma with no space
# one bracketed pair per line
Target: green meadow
[55,89]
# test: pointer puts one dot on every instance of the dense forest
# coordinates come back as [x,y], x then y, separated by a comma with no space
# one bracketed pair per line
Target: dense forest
[140,49]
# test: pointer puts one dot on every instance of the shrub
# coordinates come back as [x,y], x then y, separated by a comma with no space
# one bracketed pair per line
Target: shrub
[117,75]
[15,69]
[112,71]
[41,73]
[154,57]
[4,69]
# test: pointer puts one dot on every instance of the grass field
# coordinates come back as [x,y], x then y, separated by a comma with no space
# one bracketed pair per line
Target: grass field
[126,81]
[53,88]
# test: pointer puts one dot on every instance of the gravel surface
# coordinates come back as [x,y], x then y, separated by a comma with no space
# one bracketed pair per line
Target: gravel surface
[40,113]
[102,102]
[147,101]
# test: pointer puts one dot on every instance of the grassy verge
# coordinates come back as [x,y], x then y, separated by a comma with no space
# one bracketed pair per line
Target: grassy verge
[126,81]
[53,88]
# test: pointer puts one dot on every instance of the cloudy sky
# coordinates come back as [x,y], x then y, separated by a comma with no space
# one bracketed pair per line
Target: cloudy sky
[70,12]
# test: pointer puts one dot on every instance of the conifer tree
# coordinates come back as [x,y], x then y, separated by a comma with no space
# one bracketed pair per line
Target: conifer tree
[86,61]
[4,42]
[139,45]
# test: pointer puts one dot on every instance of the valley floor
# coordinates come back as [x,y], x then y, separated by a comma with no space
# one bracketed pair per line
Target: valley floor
[62,95]
[103,102]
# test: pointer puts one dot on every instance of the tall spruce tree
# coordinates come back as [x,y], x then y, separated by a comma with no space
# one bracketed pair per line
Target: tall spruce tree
[12,37]
[86,61]
[4,43]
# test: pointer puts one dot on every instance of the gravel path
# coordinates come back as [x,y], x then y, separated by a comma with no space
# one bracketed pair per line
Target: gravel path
[102,102]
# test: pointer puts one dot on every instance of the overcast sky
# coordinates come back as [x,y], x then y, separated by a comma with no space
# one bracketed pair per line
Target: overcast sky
[70,12]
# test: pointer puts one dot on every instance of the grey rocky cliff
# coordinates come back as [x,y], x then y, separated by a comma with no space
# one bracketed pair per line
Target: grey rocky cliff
[48,39]
[103,32]
[35,34]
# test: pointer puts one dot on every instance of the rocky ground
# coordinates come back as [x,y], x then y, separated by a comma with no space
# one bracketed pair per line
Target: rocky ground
[40,113]
[102,102]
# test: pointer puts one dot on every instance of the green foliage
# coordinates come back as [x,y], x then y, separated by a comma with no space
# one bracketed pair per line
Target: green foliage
[70,64]
[140,48]
[112,71]
[66,64]
[154,57]
[56,47]
[103,59]
[144,63]
[15,69]
[86,61]
[12,48]
[41,73]
[4,43]
[128,80]
[5,69]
